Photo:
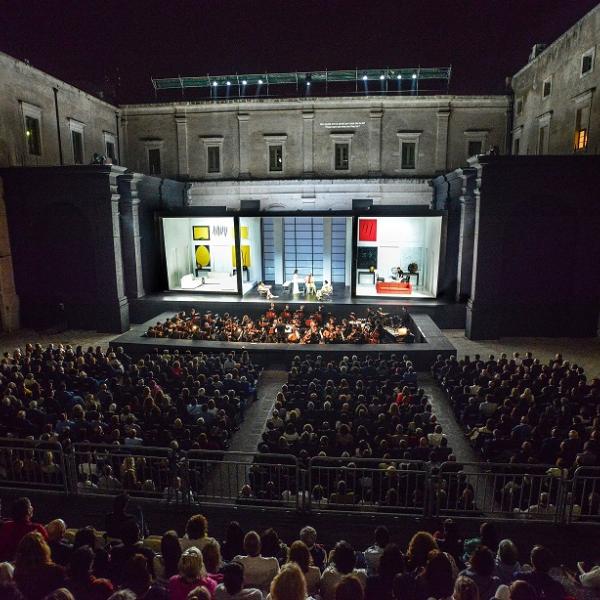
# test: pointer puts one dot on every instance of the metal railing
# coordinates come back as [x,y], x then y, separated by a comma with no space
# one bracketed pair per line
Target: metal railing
[364,484]
[26,464]
[536,493]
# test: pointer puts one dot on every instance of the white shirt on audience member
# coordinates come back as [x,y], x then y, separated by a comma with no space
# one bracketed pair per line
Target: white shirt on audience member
[259,571]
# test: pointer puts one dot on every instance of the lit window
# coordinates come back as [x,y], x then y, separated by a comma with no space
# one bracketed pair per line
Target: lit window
[587,62]
[581,129]
[408,155]
[276,158]
[342,153]
[213,159]
[154,166]
[581,137]
[32,135]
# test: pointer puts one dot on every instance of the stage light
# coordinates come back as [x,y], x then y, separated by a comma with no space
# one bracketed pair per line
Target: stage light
[399,76]
[229,83]
[365,77]
[382,77]
[215,84]
[308,84]
[414,75]
[244,82]
[260,82]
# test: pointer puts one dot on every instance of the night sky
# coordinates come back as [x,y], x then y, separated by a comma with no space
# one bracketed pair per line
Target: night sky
[87,43]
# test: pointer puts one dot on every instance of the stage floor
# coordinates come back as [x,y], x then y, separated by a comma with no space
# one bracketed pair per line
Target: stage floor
[447,315]
[340,296]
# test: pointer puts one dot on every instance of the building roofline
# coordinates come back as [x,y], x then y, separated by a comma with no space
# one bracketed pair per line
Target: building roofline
[556,41]
[64,84]
[371,101]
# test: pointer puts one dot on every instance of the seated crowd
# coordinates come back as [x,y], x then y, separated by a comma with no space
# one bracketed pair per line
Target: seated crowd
[49,563]
[541,417]
[74,397]
[368,413]
[284,326]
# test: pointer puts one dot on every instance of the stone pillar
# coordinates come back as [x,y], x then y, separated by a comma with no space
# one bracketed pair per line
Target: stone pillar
[244,147]
[441,141]
[112,308]
[485,308]
[466,236]
[130,234]
[375,117]
[124,158]
[308,122]
[182,145]
[9,301]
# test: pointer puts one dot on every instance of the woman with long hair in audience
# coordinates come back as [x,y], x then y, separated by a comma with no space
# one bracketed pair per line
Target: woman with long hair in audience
[419,547]
[288,584]
[233,544]
[192,573]
[166,563]
[35,573]
[300,554]
[436,580]
[213,561]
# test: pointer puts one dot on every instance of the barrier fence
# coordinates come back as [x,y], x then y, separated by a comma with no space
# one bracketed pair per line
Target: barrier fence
[536,493]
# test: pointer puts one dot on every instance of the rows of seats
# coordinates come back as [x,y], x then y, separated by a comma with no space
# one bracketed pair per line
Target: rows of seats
[370,415]
[82,400]
[540,417]
[51,563]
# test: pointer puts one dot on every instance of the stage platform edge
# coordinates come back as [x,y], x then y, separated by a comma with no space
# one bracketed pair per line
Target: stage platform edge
[431,342]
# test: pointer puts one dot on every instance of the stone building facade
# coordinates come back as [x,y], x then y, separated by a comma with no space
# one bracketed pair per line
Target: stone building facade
[298,138]
[47,122]
[556,109]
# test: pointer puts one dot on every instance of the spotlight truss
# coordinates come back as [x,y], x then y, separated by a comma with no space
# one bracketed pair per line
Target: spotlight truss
[305,79]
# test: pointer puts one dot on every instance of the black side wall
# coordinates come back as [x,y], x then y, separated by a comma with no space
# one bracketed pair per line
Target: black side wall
[537,248]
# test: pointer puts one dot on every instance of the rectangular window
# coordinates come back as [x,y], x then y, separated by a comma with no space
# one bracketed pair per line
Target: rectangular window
[587,62]
[516,146]
[519,108]
[275,158]
[77,142]
[581,129]
[32,133]
[110,152]
[543,140]
[474,147]
[213,159]
[154,166]
[547,88]
[342,153]
[408,155]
